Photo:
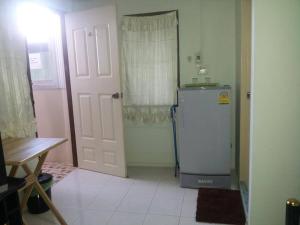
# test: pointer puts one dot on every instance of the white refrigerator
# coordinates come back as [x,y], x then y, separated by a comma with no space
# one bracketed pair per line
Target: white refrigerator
[204,136]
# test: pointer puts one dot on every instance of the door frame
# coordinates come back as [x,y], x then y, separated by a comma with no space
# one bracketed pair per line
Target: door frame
[245,90]
[68,90]
[67,82]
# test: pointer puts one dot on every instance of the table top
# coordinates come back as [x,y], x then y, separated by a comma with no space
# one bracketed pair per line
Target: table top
[18,151]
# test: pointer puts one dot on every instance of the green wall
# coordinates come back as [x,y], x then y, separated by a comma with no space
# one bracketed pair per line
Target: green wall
[152,144]
[205,26]
[275,126]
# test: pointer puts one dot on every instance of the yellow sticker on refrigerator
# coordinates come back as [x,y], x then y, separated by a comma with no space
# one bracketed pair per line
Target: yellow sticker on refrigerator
[224,97]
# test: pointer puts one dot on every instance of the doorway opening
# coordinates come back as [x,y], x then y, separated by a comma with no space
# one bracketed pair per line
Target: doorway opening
[47,71]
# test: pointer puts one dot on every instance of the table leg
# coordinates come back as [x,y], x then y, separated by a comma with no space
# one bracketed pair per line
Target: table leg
[32,179]
[26,196]
[43,194]
[38,167]
[13,171]
[27,170]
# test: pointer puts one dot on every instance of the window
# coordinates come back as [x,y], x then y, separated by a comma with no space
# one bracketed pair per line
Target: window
[149,66]
[42,29]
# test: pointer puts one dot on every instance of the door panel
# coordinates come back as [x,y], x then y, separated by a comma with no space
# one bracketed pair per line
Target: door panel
[89,155]
[107,117]
[80,48]
[86,116]
[103,50]
[94,72]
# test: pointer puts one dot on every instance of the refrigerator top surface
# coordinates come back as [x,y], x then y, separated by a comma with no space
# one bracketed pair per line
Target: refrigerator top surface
[225,87]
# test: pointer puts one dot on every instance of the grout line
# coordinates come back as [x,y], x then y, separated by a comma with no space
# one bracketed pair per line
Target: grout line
[158,182]
[155,192]
[96,195]
[182,201]
[109,219]
[119,203]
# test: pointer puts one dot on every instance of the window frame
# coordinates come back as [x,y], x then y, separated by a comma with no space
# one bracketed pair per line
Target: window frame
[58,81]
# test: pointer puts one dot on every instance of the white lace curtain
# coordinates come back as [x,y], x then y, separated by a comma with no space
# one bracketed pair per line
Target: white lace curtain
[149,66]
[16,113]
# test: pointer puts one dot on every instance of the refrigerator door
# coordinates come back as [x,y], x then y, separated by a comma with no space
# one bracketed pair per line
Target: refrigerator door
[204,131]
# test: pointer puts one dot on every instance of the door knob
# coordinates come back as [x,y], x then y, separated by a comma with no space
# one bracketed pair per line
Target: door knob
[117,95]
[248,94]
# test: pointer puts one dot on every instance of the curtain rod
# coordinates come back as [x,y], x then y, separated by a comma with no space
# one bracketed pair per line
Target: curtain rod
[152,13]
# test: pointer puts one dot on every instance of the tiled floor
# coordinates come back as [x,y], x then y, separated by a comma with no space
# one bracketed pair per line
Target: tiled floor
[150,196]
[58,170]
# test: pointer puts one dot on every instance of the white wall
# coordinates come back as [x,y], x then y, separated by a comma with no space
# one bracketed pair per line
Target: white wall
[275,125]
[53,121]
[219,48]
[205,26]
[148,144]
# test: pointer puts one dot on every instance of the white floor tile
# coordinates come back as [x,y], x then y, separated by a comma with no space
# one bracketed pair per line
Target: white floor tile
[149,196]
[119,190]
[122,218]
[161,220]
[93,217]
[73,198]
[166,206]
[169,191]
[108,198]
[105,204]
[70,215]
[144,186]
[80,176]
[189,204]
[45,219]
[135,204]
[190,194]
[189,207]
[142,189]
[120,181]
[191,221]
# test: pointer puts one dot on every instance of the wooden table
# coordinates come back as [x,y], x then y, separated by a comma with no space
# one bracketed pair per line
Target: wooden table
[18,152]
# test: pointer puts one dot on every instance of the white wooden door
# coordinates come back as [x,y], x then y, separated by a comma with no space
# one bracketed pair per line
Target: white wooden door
[95,82]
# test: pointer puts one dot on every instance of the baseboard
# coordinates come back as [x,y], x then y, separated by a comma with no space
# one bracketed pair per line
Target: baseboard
[145,164]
